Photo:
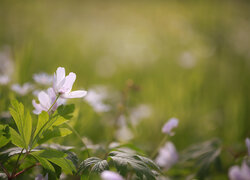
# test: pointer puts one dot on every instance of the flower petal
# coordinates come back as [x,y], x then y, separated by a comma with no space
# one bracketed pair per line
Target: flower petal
[44,100]
[75,94]
[69,81]
[60,75]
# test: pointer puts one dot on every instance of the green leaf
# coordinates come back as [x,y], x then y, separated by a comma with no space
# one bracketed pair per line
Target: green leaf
[44,162]
[17,112]
[42,119]
[126,162]
[92,161]
[16,139]
[100,166]
[27,129]
[23,122]
[202,156]
[57,157]
[52,133]
[66,110]
[4,135]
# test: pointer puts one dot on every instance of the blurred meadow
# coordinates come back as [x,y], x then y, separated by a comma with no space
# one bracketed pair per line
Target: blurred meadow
[183,59]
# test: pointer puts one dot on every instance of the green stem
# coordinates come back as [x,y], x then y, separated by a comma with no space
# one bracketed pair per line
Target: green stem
[78,135]
[54,102]
[159,146]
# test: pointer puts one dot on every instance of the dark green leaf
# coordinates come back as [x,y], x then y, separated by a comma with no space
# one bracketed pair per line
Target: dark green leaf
[4,135]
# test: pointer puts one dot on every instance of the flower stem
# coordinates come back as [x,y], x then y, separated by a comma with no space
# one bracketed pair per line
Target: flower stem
[78,135]
[159,146]
[14,176]
[54,102]
[16,165]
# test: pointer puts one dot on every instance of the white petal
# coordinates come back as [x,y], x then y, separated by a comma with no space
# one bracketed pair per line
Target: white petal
[75,94]
[60,74]
[51,93]
[44,99]
[69,81]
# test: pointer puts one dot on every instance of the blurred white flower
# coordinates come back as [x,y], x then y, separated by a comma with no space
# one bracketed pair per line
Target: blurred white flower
[239,173]
[22,90]
[95,98]
[5,114]
[46,100]
[124,134]
[40,177]
[167,128]
[62,85]
[43,78]
[248,145]
[6,62]
[36,92]
[140,112]
[4,79]
[110,175]
[187,60]
[167,156]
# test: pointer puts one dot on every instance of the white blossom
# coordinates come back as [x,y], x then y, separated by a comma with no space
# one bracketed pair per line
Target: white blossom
[43,78]
[239,173]
[40,177]
[62,84]
[4,79]
[167,128]
[167,156]
[248,145]
[110,175]
[22,90]
[46,100]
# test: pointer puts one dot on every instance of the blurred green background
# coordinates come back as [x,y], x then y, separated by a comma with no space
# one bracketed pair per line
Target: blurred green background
[191,60]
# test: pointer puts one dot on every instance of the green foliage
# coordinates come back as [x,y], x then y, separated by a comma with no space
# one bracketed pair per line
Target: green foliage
[56,157]
[97,165]
[47,127]
[202,156]
[4,135]
[126,162]
[24,125]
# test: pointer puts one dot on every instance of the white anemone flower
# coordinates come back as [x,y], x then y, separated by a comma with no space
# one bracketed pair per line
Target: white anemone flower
[167,156]
[62,85]
[110,175]
[248,145]
[167,128]
[239,173]
[4,79]
[22,90]
[46,100]
[40,177]
[43,78]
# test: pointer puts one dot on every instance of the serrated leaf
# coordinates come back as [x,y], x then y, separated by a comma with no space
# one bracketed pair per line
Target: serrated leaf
[202,155]
[66,110]
[149,162]
[44,162]
[52,133]
[27,129]
[16,139]
[100,166]
[87,163]
[127,162]
[23,122]
[57,157]
[42,119]
[4,135]
[17,112]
